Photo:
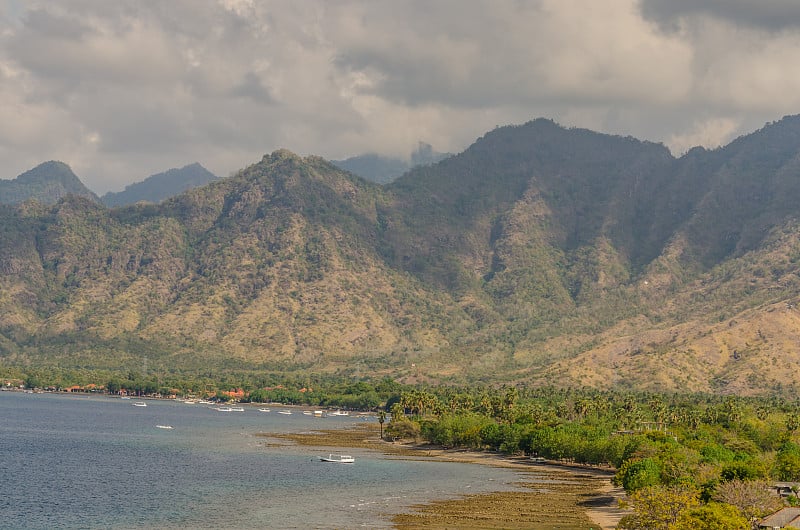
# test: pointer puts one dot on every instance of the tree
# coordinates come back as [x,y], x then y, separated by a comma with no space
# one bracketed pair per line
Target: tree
[658,507]
[32,381]
[634,475]
[787,463]
[753,497]
[712,516]
[381,420]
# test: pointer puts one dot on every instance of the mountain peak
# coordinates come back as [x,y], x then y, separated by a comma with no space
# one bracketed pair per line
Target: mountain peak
[161,186]
[48,182]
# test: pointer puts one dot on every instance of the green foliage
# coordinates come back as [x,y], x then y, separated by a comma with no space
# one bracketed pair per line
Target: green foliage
[403,428]
[637,474]
[659,507]
[459,430]
[712,516]
[787,462]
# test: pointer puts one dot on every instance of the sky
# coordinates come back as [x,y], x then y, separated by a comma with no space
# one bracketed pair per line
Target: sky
[125,89]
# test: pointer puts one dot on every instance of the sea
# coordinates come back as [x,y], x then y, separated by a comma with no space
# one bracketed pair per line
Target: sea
[93,461]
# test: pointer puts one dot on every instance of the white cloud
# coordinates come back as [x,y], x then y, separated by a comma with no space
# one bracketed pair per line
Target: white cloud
[710,133]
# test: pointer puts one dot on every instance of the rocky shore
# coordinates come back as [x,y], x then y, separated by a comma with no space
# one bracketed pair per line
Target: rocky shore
[552,496]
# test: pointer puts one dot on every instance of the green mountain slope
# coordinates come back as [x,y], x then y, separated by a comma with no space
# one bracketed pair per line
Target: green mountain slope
[46,183]
[156,188]
[540,254]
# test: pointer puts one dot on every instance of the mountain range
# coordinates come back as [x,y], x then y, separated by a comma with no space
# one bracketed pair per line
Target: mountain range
[51,181]
[539,255]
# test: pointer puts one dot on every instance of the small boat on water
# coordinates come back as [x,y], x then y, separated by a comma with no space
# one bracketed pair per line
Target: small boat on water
[237,409]
[224,409]
[263,410]
[339,413]
[307,413]
[338,459]
[164,426]
[139,404]
[287,412]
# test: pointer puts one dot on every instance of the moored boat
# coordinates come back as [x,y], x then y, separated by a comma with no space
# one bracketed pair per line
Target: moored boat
[140,404]
[338,459]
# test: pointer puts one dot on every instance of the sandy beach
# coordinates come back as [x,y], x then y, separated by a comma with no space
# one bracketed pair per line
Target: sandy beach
[552,496]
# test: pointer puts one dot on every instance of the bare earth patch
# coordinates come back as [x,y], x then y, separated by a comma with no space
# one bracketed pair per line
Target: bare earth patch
[560,497]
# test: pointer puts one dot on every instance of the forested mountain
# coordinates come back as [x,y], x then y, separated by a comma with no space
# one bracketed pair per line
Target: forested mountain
[156,188]
[540,254]
[46,183]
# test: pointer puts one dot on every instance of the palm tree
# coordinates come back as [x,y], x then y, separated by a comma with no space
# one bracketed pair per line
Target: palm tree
[381,420]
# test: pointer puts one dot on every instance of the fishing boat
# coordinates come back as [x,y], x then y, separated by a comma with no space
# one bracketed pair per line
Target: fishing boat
[263,410]
[338,459]
[140,404]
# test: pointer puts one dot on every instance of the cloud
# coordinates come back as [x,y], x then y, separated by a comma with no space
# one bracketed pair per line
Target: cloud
[709,133]
[121,90]
[770,15]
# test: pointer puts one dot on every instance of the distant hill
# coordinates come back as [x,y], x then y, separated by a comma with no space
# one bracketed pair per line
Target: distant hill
[46,183]
[381,169]
[161,186]
[541,255]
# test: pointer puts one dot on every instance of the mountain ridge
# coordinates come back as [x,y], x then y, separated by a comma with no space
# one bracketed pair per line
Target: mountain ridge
[540,255]
[160,186]
[48,182]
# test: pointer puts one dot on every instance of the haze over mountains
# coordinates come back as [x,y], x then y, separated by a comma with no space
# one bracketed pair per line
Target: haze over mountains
[382,169]
[539,254]
[161,186]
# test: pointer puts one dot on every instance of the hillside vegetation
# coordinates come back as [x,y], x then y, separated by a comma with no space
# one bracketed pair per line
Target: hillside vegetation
[540,255]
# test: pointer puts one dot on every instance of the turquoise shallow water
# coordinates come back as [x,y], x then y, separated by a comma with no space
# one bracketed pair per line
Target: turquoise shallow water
[99,462]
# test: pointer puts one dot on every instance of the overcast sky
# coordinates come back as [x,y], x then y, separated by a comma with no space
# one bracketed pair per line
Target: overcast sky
[123,89]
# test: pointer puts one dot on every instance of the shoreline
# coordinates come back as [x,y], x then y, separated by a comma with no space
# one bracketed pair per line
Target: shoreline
[551,495]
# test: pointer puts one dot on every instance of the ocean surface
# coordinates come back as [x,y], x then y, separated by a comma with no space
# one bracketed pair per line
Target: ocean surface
[98,462]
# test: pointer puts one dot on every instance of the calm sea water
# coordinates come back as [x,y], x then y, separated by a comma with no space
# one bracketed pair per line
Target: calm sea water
[99,462]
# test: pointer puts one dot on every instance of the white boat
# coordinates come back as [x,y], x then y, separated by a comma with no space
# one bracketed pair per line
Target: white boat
[164,426]
[307,413]
[338,459]
[263,410]
[140,404]
[237,409]
[287,412]
[339,413]
[224,409]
